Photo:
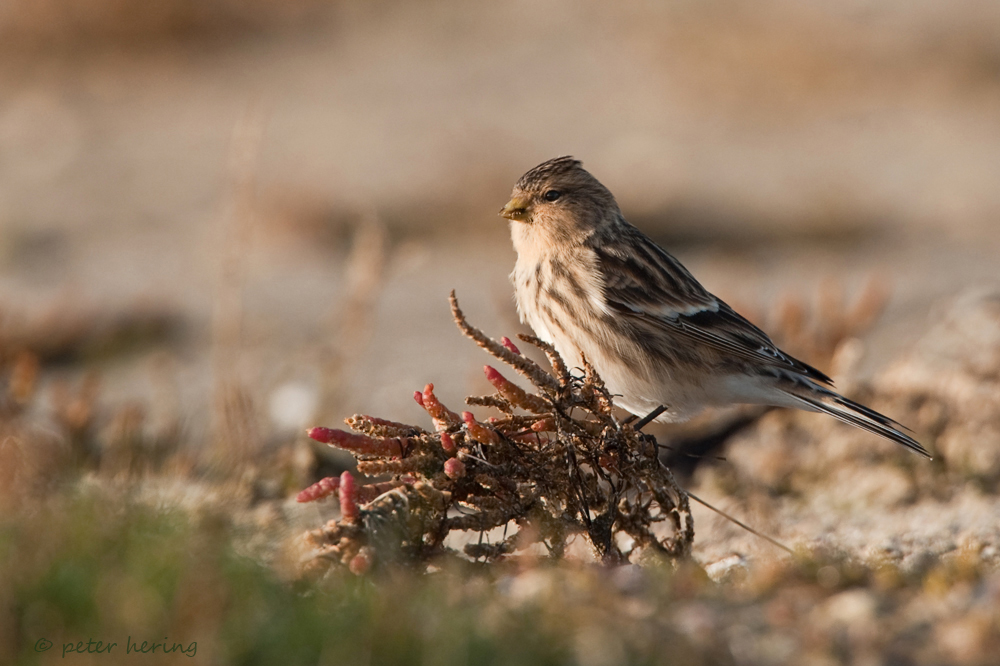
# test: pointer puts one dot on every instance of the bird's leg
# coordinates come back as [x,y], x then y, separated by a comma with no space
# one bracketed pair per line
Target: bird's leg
[644,421]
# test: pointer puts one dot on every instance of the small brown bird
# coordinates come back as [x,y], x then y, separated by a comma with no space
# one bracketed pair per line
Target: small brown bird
[590,283]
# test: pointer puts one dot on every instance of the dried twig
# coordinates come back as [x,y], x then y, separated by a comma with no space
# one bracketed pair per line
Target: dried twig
[522,364]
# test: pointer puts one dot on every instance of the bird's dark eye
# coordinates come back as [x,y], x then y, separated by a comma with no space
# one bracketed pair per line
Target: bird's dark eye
[552,195]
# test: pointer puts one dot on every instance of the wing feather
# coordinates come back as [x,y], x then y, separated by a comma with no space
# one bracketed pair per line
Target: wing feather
[643,283]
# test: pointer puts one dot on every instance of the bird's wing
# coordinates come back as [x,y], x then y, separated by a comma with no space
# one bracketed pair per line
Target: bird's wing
[643,282]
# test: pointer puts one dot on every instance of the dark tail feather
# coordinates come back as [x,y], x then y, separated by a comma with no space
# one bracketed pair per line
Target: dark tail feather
[860,416]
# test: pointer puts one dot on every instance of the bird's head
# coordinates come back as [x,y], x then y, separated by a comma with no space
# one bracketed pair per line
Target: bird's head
[562,197]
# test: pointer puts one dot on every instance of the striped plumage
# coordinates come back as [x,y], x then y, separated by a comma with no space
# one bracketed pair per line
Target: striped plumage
[588,281]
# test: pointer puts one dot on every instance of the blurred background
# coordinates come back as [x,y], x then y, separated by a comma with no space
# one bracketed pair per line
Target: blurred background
[284,192]
[223,221]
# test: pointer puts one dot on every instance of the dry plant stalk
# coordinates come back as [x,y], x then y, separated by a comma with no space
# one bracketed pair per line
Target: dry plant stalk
[556,464]
[816,333]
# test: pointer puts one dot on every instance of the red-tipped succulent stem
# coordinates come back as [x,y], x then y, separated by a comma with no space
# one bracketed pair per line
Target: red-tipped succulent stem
[363,444]
[319,490]
[443,417]
[505,341]
[454,468]
[513,393]
[448,443]
[348,498]
[478,431]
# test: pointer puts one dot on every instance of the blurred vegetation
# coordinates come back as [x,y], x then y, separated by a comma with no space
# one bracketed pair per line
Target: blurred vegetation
[105,538]
[85,565]
[106,569]
[93,22]
[772,143]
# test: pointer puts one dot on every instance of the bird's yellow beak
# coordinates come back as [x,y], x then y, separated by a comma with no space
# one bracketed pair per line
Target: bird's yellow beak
[516,209]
